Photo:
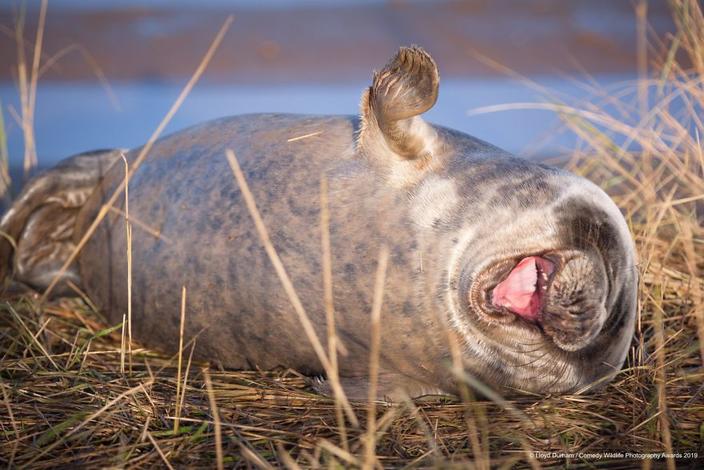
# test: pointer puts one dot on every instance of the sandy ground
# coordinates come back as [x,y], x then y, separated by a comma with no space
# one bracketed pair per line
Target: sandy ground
[333,44]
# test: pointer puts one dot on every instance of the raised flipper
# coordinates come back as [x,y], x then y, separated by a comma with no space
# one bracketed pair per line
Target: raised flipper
[392,132]
[37,230]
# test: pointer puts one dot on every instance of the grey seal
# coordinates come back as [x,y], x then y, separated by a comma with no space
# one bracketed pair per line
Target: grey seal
[529,268]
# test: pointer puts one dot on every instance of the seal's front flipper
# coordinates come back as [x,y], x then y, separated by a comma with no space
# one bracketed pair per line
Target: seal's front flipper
[37,230]
[390,386]
[405,88]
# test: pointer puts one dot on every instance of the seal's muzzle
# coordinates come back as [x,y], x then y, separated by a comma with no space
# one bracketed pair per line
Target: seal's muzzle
[562,293]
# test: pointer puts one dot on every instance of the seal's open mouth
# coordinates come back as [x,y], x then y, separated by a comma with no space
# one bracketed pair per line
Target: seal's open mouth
[522,290]
[515,288]
[559,294]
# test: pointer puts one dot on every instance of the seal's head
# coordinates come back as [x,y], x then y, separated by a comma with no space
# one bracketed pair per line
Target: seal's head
[548,284]
[535,266]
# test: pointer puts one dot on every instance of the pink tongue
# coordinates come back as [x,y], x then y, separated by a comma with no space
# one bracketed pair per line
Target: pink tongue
[518,292]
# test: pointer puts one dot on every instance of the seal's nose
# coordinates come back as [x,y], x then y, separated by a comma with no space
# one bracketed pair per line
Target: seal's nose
[574,309]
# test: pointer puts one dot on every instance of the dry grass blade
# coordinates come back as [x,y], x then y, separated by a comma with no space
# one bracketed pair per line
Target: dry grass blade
[479,452]
[23,85]
[286,282]
[329,305]
[36,57]
[641,10]
[5,180]
[306,136]
[182,396]
[340,453]
[123,344]
[92,64]
[661,386]
[135,222]
[375,344]
[28,85]
[216,419]
[158,449]
[128,247]
[11,415]
[286,458]
[255,459]
[182,324]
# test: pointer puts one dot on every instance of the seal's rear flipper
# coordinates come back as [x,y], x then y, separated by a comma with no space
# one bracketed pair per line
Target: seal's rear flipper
[392,130]
[37,230]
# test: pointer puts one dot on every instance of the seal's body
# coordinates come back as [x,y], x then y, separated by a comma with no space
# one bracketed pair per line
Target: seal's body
[529,269]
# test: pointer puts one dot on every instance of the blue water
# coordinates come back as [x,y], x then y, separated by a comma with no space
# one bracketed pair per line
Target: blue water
[72,118]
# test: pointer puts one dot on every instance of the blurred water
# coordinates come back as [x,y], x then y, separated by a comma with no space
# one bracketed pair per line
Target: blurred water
[251,4]
[75,117]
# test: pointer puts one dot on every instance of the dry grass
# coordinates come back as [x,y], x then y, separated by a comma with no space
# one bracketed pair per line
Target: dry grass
[264,412]
[4,161]
[65,401]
